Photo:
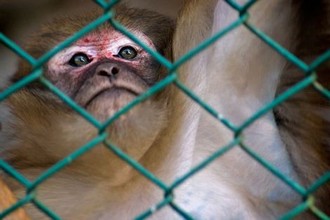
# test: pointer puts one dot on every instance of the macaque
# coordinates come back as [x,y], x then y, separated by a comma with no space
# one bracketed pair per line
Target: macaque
[102,72]
[169,133]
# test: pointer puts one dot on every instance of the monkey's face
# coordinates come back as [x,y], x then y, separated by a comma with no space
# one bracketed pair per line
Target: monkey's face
[104,71]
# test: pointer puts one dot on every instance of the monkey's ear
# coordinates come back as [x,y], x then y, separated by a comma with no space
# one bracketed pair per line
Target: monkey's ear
[24,68]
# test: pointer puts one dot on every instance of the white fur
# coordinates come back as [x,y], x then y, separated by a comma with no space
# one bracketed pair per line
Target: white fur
[241,76]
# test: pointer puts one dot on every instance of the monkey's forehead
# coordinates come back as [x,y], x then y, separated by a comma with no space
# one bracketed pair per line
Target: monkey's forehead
[108,37]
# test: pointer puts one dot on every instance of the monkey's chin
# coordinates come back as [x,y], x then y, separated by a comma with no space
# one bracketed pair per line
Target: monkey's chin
[136,130]
[105,104]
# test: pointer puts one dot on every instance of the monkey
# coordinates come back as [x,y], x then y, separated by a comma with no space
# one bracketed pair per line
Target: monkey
[98,185]
[102,72]
[240,74]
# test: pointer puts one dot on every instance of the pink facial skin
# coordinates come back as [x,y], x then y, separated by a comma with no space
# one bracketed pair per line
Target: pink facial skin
[103,93]
[107,44]
[101,45]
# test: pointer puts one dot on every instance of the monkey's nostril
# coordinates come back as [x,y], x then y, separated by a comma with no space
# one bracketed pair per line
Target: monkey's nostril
[107,70]
[104,73]
[115,71]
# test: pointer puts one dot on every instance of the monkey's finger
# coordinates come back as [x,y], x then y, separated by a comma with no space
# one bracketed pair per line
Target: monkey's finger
[6,200]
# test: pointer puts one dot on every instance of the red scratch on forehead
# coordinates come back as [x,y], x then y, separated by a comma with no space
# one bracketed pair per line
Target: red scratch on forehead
[98,37]
[86,39]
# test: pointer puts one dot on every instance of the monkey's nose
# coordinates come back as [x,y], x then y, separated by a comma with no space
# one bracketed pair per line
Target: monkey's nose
[107,69]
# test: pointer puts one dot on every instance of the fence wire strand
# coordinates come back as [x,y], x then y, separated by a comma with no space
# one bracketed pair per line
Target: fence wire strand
[36,74]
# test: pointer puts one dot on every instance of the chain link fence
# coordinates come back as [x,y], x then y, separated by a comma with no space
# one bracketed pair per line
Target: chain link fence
[242,19]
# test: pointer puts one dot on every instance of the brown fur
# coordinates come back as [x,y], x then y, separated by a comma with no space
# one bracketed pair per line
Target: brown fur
[304,120]
[54,32]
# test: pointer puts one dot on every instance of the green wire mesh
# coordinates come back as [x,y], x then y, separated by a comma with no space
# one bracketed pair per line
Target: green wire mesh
[37,75]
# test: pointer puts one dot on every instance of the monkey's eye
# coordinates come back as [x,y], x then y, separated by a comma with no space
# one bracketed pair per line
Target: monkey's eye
[79,59]
[127,53]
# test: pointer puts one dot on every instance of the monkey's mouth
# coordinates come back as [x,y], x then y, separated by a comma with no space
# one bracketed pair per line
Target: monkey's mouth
[112,93]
